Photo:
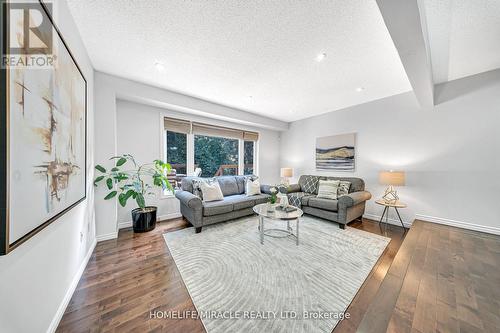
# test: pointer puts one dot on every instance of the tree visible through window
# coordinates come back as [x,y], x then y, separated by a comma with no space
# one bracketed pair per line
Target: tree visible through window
[216,156]
[177,151]
[248,158]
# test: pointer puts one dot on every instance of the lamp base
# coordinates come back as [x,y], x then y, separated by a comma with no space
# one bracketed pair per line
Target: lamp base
[390,196]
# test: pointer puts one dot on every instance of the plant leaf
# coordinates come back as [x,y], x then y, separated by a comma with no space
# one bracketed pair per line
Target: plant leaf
[122,199]
[98,179]
[109,182]
[110,195]
[100,168]
[140,200]
[121,161]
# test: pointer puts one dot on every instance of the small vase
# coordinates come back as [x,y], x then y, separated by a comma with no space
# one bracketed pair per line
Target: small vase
[270,207]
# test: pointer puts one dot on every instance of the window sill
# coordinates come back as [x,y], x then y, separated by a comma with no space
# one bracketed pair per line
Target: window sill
[165,196]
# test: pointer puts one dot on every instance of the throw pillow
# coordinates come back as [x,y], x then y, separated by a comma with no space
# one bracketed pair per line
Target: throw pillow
[252,187]
[197,185]
[211,191]
[328,189]
[344,187]
[310,184]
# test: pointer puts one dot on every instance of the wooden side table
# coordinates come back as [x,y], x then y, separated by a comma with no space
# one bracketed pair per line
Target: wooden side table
[387,206]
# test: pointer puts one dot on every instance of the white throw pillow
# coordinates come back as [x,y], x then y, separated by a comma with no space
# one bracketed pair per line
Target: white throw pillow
[211,191]
[252,187]
[328,189]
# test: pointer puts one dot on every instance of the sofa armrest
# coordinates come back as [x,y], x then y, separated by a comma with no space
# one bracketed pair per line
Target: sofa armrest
[189,199]
[354,198]
[292,188]
[266,189]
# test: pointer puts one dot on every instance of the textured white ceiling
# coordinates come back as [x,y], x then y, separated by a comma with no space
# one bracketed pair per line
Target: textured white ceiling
[257,56]
[464,37]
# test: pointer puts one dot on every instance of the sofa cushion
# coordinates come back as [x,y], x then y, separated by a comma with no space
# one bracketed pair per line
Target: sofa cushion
[309,184]
[240,201]
[326,204]
[228,185]
[217,207]
[260,198]
[240,180]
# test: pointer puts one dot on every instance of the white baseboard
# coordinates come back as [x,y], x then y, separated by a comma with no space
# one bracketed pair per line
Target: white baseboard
[111,235]
[71,289]
[459,224]
[390,221]
[170,216]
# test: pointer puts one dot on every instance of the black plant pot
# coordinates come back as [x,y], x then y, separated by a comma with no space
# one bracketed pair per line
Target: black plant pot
[144,220]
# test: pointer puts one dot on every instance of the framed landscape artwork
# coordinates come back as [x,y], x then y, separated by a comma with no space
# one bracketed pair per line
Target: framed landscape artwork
[43,131]
[336,153]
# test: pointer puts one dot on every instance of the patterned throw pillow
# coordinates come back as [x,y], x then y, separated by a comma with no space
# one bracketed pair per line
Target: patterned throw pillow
[251,177]
[295,198]
[310,184]
[344,187]
[328,189]
[197,185]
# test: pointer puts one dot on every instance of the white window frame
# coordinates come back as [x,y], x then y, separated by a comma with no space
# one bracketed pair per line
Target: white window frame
[190,147]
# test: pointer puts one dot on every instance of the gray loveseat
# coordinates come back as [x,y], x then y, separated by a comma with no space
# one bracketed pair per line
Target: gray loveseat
[235,204]
[343,210]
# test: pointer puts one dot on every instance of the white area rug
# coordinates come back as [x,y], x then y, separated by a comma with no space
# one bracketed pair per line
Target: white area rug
[239,285]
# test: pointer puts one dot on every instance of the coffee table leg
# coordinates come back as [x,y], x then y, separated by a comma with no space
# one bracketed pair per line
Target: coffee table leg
[261,224]
[297,231]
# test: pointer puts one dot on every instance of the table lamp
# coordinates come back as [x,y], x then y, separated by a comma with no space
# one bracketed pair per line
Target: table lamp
[391,178]
[286,173]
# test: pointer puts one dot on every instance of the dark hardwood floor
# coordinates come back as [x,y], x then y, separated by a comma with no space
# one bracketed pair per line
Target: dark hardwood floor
[443,279]
[128,277]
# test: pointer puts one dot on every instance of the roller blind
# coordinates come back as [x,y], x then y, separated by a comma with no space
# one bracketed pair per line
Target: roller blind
[210,130]
[177,125]
[250,136]
[185,126]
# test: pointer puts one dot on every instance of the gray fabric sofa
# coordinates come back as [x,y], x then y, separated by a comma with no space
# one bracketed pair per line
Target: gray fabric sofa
[235,204]
[343,210]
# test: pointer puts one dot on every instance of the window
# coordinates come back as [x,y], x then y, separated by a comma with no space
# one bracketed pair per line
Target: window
[216,156]
[248,157]
[216,150]
[177,151]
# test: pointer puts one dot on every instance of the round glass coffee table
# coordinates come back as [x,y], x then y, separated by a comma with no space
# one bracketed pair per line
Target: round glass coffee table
[278,214]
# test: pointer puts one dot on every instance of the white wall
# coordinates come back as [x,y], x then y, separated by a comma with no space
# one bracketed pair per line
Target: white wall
[144,122]
[38,277]
[450,152]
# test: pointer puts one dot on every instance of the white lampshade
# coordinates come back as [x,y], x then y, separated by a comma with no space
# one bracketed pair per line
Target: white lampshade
[286,172]
[394,178]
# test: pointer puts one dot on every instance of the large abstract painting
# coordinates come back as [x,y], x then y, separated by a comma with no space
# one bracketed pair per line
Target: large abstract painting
[44,140]
[336,153]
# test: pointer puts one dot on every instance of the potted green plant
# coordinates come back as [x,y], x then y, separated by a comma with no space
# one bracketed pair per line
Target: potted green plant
[133,182]
[271,202]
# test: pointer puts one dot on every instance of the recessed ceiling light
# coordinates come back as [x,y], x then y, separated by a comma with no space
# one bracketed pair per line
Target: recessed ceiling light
[320,57]
[360,89]
[159,66]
